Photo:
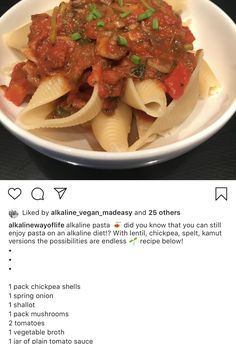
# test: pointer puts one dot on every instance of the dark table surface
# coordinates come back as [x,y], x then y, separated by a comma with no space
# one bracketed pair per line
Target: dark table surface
[214,159]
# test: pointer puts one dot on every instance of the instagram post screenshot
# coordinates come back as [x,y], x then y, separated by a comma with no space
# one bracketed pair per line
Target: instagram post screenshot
[117,172]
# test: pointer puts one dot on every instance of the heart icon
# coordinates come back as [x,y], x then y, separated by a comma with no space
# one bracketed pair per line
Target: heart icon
[14,192]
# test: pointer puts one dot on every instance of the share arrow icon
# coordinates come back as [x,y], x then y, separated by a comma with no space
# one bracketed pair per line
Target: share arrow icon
[60,191]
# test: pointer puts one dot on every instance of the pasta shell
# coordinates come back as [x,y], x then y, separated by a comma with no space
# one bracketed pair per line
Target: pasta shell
[177,5]
[147,96]
[111,131]
[143,123]
[18,38]
[50,88]
[42,104]
[209,85]
[177,111]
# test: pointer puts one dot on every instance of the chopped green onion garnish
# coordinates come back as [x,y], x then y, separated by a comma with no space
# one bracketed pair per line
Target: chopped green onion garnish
[188,47]
[120,2]
[75,36]
[100,23]
[125,14]
[147,14]
[96,13]
[92,7]
[122,41]
[155,24]
[90,17]
[135,59]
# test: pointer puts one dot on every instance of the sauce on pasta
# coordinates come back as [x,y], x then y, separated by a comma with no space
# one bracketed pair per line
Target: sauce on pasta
[104,42]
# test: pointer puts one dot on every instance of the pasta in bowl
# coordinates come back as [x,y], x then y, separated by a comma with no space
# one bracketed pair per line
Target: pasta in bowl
[98,67]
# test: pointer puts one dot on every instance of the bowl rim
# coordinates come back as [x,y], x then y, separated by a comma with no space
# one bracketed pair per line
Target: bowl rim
[148,154]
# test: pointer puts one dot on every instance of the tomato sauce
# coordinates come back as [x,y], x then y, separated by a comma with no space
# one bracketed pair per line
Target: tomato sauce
[106,42]
[21,88]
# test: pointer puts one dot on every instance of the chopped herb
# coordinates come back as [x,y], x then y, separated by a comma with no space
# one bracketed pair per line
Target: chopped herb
[90,17]
[135,59]
[120,2]
[100,23]
[145,15]
[94,13]
[125,14]
[60,111]
[75,36]
[139,71]
[122,41]
[188,47]
[155,24]
[92,7]
[84,41]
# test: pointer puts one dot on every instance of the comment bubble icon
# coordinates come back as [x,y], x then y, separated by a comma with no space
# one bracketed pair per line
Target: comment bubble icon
[37,194]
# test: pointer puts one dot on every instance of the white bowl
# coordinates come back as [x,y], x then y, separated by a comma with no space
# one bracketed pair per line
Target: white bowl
[215,32]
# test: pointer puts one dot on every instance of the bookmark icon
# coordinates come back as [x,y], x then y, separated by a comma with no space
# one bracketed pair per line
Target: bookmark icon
[221,192]
[60,191]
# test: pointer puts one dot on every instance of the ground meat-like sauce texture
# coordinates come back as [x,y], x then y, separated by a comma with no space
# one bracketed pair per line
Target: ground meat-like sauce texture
[105,42]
